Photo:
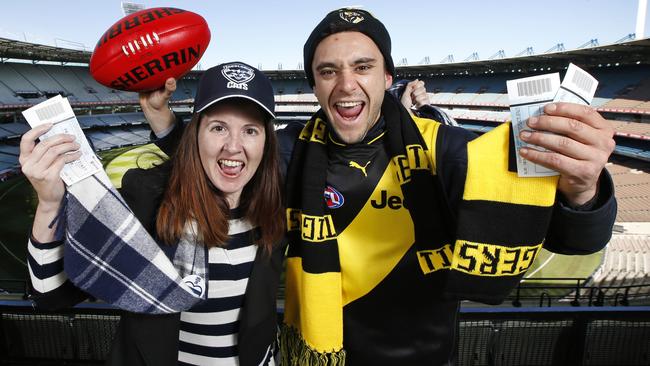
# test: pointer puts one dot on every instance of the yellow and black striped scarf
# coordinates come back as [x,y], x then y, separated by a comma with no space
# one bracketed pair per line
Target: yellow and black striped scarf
[312,332]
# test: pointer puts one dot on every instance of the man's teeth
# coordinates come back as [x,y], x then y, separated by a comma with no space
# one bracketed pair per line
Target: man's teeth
[230,163]
[348,104]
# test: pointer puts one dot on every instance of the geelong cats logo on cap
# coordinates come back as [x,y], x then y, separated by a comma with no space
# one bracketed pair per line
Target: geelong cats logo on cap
[238,76]
[351,16]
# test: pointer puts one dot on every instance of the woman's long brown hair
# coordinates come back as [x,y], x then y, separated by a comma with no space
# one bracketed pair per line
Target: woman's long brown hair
[191,196]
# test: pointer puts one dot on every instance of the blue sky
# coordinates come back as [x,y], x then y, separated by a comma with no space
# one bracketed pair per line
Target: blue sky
[268,33]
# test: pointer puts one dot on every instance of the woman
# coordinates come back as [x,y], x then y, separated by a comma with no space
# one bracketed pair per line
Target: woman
[221,194]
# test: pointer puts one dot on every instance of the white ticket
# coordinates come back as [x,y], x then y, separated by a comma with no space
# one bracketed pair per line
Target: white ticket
[528,96]
[577,87]
[57,110]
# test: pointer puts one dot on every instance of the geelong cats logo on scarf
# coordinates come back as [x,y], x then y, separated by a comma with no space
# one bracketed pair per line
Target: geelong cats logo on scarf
[238,76]
[333,198]
[195,284]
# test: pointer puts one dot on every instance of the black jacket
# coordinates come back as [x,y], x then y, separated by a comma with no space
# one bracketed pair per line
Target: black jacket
[153,340]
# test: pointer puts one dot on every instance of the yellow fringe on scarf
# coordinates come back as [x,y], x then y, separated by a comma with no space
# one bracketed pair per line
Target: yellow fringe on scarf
[295,352]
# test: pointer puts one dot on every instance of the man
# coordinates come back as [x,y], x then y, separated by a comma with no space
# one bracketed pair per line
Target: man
[417,216]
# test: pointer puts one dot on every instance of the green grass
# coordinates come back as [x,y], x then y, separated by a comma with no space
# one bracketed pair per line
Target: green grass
[551,265]
[567,266]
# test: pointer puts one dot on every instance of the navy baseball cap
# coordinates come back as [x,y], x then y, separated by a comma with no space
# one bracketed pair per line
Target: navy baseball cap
[234,80]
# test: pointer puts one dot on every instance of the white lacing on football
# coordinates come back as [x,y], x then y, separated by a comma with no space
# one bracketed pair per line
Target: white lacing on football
[146,41]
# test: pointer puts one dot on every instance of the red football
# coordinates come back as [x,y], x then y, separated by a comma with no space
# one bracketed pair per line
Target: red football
[143,49]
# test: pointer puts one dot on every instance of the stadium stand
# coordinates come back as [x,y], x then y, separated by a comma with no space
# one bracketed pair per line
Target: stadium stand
[24,84]
[40,80]
[283,87]
[7,165]
[543,341]
[100,92]
[616,82]
[632,183]
[16,83]
[296,98]
[626,262]
[632,129]
[487,336]
[475,339]
[12,129]
[615,342]
[78,90]
[9,150]
[185,89]
[84,336]
[622,104]
[630,83]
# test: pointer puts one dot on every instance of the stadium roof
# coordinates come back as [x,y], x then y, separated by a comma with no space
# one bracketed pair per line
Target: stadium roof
[626,53]
[10,48]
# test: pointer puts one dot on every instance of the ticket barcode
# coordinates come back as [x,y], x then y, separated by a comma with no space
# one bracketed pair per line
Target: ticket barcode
[534,87]
[49,111]
[583,81]
[57,110]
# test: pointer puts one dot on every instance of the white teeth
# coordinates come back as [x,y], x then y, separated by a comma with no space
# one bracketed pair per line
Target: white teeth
[230,163]
[348,104]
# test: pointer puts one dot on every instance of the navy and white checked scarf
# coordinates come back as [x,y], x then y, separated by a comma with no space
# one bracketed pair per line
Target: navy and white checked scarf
[110,255]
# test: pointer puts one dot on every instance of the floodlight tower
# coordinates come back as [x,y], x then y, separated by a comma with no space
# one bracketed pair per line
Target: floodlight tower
[640,19]
[130,8]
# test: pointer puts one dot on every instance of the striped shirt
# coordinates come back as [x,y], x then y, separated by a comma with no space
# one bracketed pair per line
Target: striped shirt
[208,332]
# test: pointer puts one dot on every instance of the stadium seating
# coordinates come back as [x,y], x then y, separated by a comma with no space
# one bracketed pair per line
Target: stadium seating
[614,342]
[642,129]
[532,342]
[618,82]
[619,88]
[8,130]
[43,336]
[94,334]
[14,81]
[57,337]
[474,337]
[185,89]
[486,336]
[24,83]
[78,90]
[12,150]
[291,87]
[296,98]
[622,103]
[489,99]
[626,262]
[632,193]
[41,80]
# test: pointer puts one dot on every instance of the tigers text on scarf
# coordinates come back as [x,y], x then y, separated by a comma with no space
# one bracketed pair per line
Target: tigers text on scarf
[109,254]
[313,329]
